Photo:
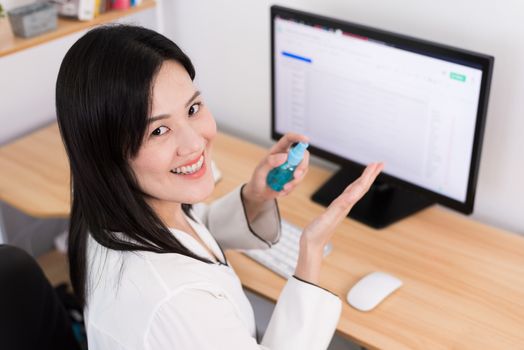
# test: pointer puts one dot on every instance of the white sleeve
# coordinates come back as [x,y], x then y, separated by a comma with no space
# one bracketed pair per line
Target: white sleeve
[305,318]
[227,221]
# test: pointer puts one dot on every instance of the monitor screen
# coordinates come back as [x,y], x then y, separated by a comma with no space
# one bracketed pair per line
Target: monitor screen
[363,95]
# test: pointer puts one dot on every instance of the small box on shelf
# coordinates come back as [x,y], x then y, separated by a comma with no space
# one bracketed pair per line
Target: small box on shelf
[33,19]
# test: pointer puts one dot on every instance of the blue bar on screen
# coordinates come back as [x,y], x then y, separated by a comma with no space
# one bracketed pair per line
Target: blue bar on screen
[305,59]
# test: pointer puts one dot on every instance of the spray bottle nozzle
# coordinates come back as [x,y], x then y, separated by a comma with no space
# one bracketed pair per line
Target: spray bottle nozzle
[296,154]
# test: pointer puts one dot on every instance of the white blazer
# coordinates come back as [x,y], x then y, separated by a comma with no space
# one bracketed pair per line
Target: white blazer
[144,300]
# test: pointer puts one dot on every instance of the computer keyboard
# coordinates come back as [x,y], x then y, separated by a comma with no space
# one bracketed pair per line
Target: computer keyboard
[282,257]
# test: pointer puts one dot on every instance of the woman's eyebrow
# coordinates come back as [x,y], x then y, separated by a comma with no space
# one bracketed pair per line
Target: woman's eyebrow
[158,117]
[165,116]
[195,95]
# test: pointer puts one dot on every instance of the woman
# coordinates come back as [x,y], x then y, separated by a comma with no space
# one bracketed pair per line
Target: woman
[145,257]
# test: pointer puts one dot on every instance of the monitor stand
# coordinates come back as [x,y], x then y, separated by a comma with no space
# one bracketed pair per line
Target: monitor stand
[383,205]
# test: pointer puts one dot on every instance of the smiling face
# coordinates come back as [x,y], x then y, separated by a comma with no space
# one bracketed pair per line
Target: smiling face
[173,164]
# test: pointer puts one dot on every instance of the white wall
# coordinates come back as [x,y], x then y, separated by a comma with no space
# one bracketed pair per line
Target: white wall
[228,42]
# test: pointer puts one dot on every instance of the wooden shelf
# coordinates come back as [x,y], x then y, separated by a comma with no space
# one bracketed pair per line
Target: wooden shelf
[68,26]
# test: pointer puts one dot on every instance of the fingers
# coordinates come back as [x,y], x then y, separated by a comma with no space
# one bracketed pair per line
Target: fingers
[340,207]
[274,160]
[372,171]
[322,227]
[278,155]
[369,175]
[302,167]
[270,162]
[298,175]
[287,140]
[286,190]
[361,185]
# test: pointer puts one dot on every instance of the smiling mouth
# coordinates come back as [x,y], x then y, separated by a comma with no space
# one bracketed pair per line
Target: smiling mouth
[189,169]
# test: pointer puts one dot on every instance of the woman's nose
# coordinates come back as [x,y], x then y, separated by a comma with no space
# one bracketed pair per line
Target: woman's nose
[189,141]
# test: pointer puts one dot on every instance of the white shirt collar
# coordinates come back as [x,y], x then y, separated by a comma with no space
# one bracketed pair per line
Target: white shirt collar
[196,247]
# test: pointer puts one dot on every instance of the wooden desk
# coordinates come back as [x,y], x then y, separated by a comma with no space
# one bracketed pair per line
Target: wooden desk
[463,281]
[34,176]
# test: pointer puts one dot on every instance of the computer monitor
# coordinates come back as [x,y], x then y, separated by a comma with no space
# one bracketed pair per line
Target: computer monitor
[363,94]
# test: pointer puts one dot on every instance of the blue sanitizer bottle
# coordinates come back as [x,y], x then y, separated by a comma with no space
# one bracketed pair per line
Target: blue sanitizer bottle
[281,175]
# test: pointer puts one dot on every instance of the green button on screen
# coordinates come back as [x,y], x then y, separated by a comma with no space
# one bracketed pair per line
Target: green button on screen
[456,76]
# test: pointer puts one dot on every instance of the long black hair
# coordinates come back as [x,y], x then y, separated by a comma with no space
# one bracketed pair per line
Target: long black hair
[103,99]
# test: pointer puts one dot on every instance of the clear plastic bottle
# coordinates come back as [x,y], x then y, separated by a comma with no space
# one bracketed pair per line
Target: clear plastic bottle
[281,175]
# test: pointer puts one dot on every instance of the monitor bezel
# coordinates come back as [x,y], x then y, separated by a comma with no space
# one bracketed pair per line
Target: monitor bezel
[477,60]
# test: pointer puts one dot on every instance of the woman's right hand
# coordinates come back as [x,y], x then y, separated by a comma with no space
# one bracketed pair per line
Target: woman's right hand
[319,232]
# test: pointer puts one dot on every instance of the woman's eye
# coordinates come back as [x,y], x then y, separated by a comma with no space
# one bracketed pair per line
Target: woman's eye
[194,108]
[160,131]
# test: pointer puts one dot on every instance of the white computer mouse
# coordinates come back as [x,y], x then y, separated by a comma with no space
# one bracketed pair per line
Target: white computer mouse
[371,290]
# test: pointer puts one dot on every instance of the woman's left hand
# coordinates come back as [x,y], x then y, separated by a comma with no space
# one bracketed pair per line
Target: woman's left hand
[257,190]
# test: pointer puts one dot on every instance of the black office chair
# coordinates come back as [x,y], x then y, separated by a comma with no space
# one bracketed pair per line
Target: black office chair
[31,314]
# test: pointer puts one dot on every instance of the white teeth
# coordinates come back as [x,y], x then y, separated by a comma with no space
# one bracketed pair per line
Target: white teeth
[189,169]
